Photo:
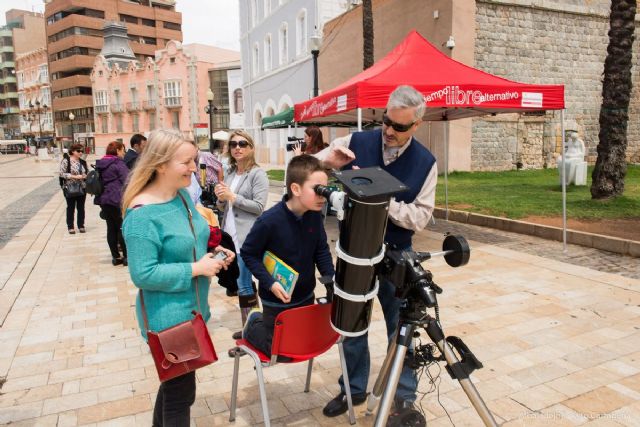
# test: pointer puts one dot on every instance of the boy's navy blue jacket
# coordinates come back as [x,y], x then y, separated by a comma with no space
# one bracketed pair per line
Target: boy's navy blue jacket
[301,242]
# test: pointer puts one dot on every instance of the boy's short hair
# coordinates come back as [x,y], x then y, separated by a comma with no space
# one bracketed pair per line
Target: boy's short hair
[299,169]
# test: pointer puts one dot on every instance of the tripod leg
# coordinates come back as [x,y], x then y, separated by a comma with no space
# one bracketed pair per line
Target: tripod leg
[437,336]
[402,342]
[383,377]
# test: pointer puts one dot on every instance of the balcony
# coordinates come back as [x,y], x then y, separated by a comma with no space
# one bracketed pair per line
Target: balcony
[101,109]
[133,106]
[173,102]
[117,108]
[149,105]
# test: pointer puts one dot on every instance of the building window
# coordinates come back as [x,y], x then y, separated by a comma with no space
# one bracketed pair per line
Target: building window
[301,33]
[172,93]
[101,98]
[45,94]
[134,96]
[255,62]
[283,42]
[175,119]
[128,18]
[136,123]
[238,107]
[20,78]
[254,13]
[105,124]
[148,22]
[267,8]
[172,26]
[43,70]
[267,53]
[152,120]
[119,123]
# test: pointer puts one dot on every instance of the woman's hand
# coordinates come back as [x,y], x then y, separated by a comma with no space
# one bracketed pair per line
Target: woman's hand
[230,255]
[279,292]
[207,266]
[224,193]
[297,149]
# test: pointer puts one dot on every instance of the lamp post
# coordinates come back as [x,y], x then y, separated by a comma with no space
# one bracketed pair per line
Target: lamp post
[73,136]
[210,109]
[39,111]
[314,43]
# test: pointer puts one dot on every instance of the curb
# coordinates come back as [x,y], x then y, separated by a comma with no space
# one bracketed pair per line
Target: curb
[590,240]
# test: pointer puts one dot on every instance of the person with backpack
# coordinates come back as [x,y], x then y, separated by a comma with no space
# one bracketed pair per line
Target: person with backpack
[112,174]
[73,171]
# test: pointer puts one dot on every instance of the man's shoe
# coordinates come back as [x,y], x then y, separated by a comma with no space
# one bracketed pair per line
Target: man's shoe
[116,261]
[338,405]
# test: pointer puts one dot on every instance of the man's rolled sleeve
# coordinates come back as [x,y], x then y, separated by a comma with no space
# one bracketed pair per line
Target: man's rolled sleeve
[416,215]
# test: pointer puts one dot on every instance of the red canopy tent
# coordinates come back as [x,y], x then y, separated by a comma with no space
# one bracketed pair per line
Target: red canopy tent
[452,90]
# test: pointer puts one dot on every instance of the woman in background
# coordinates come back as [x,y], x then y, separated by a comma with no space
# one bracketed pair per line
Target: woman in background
[113,174]
[73,171]
[242,196]
[313,142]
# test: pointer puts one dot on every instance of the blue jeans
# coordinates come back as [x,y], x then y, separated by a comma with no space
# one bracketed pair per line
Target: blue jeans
[356,351]
[245,285]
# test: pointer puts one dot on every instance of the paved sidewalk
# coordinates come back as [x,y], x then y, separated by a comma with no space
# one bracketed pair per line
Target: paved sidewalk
[560,343]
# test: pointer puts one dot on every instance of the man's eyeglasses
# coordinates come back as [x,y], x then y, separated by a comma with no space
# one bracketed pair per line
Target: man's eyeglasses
[396,126]
[241,144]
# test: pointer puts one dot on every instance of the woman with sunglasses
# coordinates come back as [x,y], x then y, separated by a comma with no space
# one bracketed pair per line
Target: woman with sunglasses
[242,196]
[73,171]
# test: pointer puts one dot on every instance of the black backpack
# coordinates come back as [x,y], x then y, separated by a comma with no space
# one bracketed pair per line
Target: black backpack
[93,182]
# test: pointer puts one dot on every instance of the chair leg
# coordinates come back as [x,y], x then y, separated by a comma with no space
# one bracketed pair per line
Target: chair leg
[309,368]
[234,387]
[347,387]
[263,394]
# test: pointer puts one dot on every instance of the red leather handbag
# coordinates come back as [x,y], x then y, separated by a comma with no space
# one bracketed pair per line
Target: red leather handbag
[184,347]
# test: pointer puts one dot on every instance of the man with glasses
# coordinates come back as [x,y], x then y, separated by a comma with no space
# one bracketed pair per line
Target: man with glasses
[394,149]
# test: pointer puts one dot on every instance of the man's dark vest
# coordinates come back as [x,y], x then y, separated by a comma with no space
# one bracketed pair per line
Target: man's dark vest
[412,168]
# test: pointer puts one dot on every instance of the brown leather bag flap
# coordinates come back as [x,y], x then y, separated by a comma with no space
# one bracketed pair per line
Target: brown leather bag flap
[179,343]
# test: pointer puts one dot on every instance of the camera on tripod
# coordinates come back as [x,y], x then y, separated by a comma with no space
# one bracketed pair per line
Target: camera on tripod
[296,141]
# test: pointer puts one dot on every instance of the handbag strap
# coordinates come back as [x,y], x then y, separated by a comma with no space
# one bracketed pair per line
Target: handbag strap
[194,280]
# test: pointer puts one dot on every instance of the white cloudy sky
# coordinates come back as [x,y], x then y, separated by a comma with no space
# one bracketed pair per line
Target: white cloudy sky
[213,22]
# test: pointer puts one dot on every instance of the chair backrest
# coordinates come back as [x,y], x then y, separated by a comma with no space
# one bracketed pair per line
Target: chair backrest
[304,332]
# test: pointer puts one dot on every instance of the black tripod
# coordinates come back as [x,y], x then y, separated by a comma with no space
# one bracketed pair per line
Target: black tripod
[420,295]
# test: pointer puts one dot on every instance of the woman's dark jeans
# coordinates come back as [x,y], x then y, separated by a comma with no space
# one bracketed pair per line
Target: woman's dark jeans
[174,400]
[113,216]
[74,203]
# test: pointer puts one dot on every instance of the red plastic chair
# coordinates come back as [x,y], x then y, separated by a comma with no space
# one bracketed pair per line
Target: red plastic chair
[299,334]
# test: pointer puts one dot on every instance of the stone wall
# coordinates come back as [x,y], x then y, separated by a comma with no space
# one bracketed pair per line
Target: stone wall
[546,42]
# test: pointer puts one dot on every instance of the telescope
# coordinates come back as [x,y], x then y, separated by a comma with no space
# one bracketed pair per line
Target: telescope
[363,260]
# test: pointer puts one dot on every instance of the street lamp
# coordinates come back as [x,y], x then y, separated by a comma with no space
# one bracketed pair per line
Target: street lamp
[73,136]
[39,111]
[210,109]
[314,43]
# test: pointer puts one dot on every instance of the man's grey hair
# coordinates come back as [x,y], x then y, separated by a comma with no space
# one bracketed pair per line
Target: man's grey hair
[407,97]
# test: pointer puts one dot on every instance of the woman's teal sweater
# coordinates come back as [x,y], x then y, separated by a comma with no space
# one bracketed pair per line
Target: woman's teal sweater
[160,252]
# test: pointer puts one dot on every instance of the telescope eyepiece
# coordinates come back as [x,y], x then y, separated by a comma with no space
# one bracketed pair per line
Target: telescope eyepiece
[323,190]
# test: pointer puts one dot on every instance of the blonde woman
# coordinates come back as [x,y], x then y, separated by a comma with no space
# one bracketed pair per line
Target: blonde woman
[242,196]
[160,243]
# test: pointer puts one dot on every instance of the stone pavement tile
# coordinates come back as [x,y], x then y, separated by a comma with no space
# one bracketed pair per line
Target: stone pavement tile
[112,378]
[20,412]
[543,372]
[599,401]
[119,408]
[504,408]
[33,394]
[24,383]
[583,381]
[538,397]
[70,401]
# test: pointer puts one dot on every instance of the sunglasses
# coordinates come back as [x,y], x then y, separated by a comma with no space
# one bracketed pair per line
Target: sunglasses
[396,126]
[241,144]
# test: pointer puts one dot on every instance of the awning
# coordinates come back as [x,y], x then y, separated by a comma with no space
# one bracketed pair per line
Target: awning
[280,120]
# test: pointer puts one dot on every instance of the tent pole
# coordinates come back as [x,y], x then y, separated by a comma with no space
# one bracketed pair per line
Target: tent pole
[563,177]
[446,168]
[359,119]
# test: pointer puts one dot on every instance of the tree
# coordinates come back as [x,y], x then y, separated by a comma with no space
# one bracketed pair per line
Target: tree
[607,179]
[367,33]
